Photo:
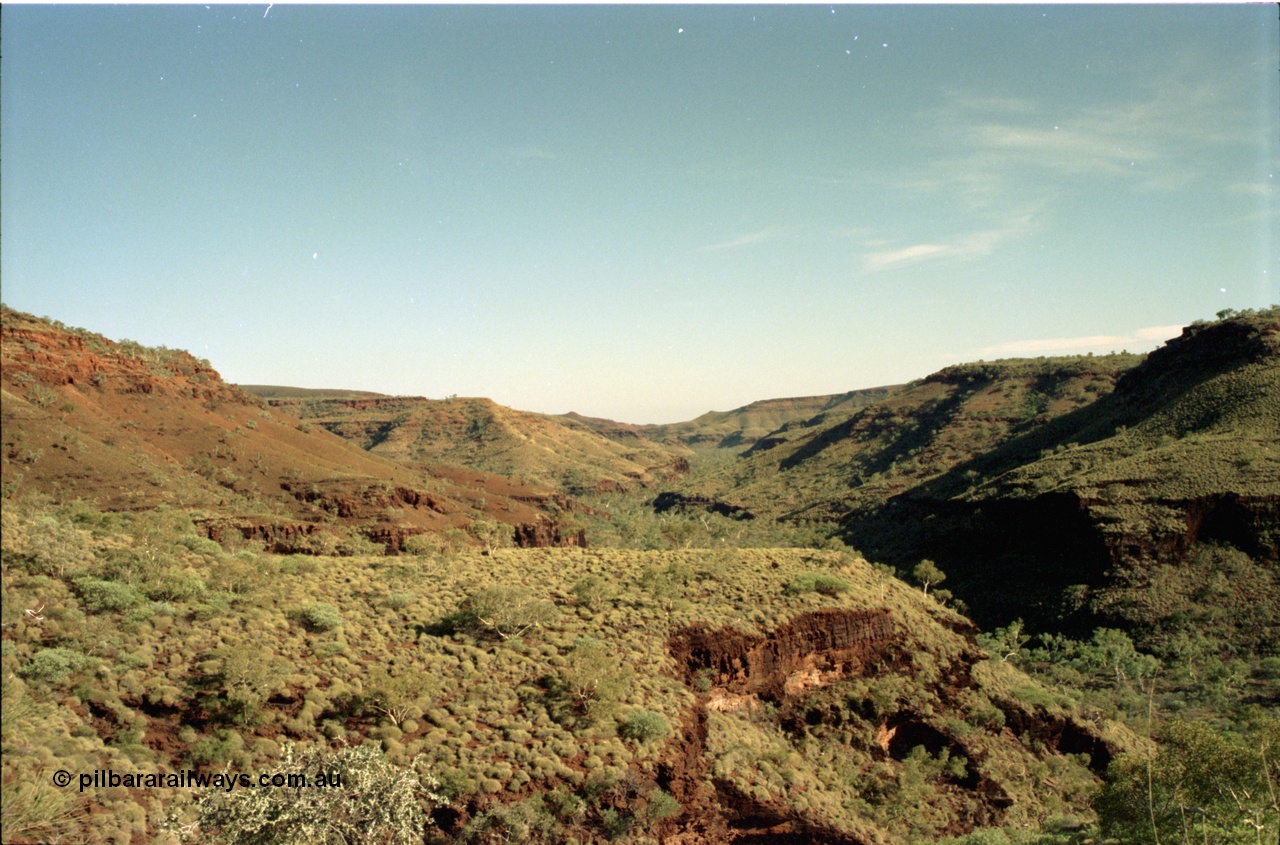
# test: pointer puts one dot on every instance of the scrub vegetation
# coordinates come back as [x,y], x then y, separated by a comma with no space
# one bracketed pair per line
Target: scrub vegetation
[772,641]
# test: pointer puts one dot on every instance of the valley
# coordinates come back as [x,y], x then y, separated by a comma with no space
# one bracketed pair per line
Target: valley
[1018,601]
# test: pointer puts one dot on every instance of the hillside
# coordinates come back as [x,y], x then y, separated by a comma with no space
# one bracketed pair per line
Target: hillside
[129,427]
[723,669]
[753,696]
[1052,489]
[1140,501]
[820,468]
[484,435]
[740,427]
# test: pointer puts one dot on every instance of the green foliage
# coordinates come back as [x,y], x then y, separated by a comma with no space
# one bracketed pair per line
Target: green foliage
[53,665]
[593,591]
[816,582]
[247,675]
[593,679]
[1201,784]
[374,801]
[661,806]
[508,612]
[399,696]
[926,572]
[644,726]
[320,616]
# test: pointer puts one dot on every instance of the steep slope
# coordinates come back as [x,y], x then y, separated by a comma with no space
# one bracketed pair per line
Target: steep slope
[824,466]
[1156,506]
[484,435]
[1063,491]
[131,427]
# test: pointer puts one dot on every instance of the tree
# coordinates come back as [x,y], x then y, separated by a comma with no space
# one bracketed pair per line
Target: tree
[396,696]
[593,678]
[1201,785]
[248,676]
[926,572]
[509,612]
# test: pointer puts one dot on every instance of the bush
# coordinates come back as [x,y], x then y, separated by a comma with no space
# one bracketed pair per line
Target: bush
[661,806]
[320,616]
[644,726]
[509,612]
[53,665]
[109,596]
[816,582]
[377,802]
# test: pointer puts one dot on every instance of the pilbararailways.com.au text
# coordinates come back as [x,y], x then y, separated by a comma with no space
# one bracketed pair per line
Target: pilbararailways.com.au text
[226,781]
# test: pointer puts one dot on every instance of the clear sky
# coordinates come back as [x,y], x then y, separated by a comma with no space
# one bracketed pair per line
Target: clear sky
[638,212]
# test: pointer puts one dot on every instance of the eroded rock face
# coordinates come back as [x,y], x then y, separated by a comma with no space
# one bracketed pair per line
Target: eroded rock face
[277,537]
[537,535]
[811,650]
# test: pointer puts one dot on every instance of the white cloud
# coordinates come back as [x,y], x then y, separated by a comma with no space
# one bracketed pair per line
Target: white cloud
[745,240]
[1158,332]
[1257,189]
[906,255]
[965,246]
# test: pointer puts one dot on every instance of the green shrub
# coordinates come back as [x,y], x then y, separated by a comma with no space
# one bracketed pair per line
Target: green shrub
[816,582]
[509,612]
[593,591]
[53,665]
[218,748]
[644,725]
[320,616]
[109,596]
[661,806]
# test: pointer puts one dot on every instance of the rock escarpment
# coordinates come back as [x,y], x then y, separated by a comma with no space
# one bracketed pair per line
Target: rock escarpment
[810,650]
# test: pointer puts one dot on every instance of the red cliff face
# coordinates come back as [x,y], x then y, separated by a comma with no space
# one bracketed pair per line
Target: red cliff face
[53,356]
[810,650]
[533,535]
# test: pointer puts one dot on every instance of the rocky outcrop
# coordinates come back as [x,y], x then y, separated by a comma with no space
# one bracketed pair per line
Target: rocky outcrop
[277,537]
[536,535]
[811,650]
[46,354]
[354,502]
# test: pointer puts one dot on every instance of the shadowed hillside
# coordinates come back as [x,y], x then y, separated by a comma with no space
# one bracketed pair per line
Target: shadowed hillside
[1057,490]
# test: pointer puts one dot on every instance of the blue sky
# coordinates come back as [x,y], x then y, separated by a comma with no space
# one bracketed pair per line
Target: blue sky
[638,212]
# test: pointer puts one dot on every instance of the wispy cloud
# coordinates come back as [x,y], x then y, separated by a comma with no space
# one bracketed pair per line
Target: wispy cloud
[1260,188]
[964,246]
[748,239]
[1157,139]
[1138,339]
[906,255]
[522,155]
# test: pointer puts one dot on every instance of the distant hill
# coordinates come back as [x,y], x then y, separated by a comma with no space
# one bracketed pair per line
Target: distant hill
[740,427]
[479,433]
[127,426]
[273,391]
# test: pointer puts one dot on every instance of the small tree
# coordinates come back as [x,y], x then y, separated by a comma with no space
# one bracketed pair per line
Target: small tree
[593,678]
[248,676]
[592,591]
[396,696]
[509,612]
[926,573]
